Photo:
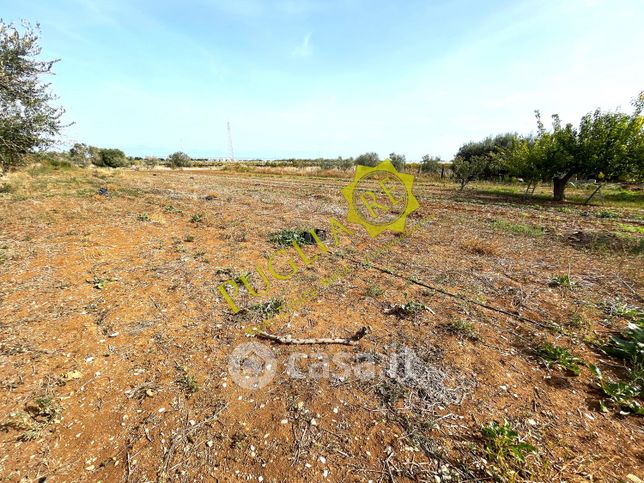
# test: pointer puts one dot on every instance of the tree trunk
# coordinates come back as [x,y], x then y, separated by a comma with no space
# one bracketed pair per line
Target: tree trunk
[599,186]
[534,187]
[559,190]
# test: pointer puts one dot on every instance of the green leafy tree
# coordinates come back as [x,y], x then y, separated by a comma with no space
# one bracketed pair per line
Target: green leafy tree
[27,120]
[367,159]
[344,164]
[524,161]
[80,154]
[430,164]
[112,158]
[150,161]
[492,155]
[606,146]
[398,160]
[468,169]
[179,160]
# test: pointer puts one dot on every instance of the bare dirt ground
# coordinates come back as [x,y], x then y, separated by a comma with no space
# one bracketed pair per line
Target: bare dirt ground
[115,341]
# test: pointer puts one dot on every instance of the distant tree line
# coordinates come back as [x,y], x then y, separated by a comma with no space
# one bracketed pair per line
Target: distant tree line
[605,146]
[83,155]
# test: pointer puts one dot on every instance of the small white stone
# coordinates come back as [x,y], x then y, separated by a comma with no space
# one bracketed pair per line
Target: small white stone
[322,459]
[284,421]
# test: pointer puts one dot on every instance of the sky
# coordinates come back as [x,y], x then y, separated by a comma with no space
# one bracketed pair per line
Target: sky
[329,78]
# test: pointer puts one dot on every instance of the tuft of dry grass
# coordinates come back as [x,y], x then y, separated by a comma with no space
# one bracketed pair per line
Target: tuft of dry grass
[479,246]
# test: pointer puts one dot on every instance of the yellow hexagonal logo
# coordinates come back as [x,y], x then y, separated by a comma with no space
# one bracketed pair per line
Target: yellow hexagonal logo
[380,198]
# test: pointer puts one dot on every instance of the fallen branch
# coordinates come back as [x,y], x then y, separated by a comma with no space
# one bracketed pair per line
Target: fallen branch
[287,339]
[462,297]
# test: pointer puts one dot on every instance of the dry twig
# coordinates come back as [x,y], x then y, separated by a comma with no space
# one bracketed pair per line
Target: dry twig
[287,339]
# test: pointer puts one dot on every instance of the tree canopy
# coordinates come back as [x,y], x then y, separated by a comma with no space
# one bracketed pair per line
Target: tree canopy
[367,159]
[179,160]
[607,145]
[398,160]
[112,158]
[27,120]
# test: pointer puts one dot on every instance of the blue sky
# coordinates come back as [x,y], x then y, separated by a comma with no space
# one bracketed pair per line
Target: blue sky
[331,78]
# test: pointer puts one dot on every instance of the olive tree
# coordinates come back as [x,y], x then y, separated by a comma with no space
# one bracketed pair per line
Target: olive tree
[82,154]
[430,164]
[179,160]
[112,158]
[367,159]
[28,121]
[468,169]
[398,160]
[150,161]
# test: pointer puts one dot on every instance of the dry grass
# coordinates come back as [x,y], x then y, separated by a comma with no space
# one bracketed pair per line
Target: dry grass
[479,246]
[128,307]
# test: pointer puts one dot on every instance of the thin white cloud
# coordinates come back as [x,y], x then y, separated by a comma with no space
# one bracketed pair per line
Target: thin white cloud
[304,48]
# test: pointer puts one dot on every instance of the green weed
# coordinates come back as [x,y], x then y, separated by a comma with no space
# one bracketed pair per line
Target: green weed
[374,291]
[518,228]
[622,393]
[188,383]
[505,449]
[100,283]
[621,309]
[552,354]
[197,218]
[268,309]
[562,281]
[464,328]
[629,345]
[607,214]
[632,228]
[143,217]
[406,309]
[285,238]
[171,209]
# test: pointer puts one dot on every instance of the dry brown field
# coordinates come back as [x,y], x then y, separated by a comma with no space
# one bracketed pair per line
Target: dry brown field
[116,344]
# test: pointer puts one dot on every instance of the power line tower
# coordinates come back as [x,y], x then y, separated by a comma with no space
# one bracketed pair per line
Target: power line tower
[231,152]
